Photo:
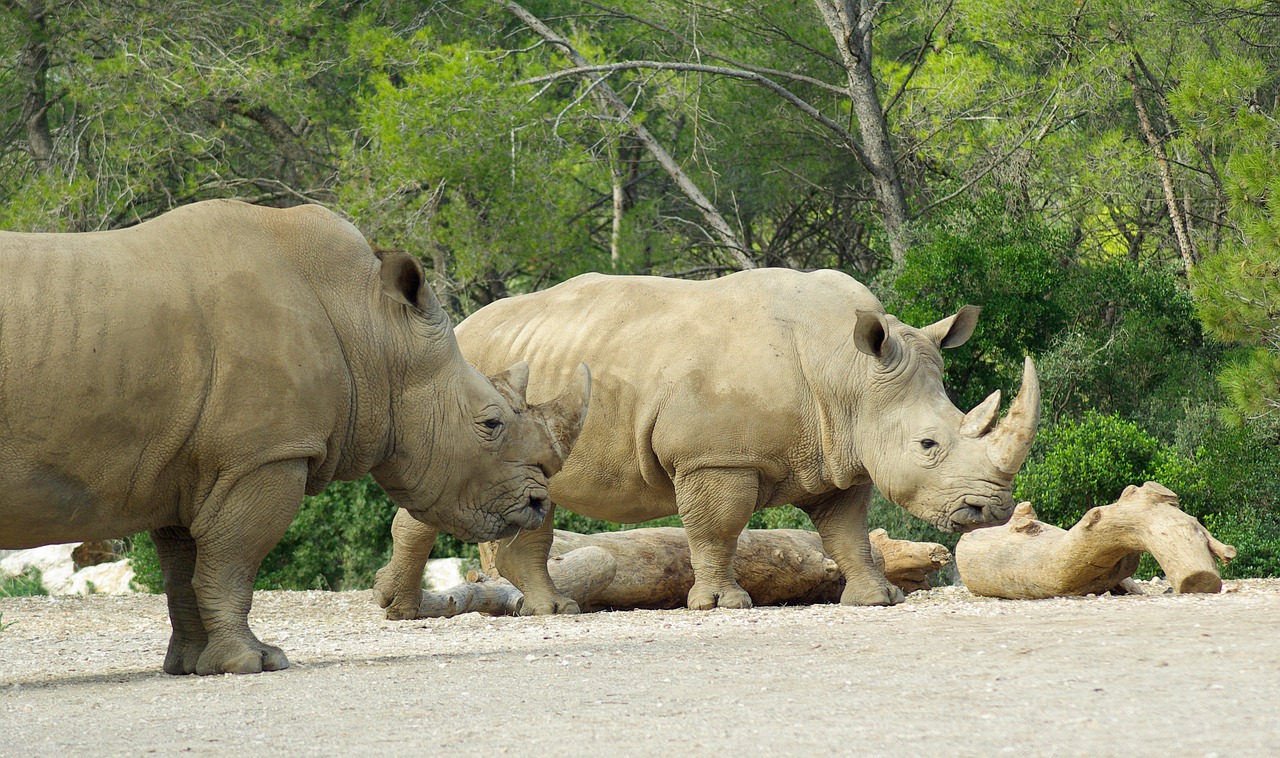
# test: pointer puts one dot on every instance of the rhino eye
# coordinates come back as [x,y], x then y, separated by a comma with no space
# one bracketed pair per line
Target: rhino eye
[928,444]
[492,424]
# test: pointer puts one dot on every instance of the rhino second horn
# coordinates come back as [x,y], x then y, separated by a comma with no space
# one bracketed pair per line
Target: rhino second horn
[979,421]
[1009,444]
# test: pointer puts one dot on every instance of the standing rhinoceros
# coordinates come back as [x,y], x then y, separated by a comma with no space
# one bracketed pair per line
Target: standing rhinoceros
[716,399]
[196,374]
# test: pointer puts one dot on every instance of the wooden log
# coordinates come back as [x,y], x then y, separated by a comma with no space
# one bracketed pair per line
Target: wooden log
[650,568]
[483,595]
[1027,558]
[905,563]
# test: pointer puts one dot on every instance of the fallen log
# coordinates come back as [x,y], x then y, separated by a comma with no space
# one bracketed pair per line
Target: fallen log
[1027,558]
[650,568]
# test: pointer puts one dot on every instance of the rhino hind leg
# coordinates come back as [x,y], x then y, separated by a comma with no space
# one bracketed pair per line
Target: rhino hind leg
[715,505]
[233,531]
[841,521]
[177,552]
[398,585]
[523,562]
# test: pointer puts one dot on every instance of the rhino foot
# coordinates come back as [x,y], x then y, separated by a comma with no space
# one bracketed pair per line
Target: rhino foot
[871,593]
[702,598]
[182,656]
[236,659]
[557,604]
[400,598]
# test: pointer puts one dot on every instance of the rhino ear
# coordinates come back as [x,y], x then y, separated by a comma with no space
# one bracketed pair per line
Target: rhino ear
[404,281]
[566,414]
[871,334]
[955,330]
[513,383]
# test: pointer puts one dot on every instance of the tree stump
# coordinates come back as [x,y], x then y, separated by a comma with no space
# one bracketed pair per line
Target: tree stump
[650,568]
[1027,558]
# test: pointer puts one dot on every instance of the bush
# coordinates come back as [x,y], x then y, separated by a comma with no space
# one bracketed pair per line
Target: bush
[978,254]
[26,584]
[1230,482]
[1076,465]
[1133,347]
[338,540]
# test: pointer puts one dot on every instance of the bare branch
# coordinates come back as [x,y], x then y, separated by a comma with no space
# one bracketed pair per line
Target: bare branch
[846,137]
[610,100]
[915,64]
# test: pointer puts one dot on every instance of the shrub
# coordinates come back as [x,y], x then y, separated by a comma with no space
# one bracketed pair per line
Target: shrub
[979,254]
[26,584]
[1077,465]
[338,540]
[1230,482]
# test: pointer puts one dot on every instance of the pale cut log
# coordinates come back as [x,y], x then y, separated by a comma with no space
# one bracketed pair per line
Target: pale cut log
[650,568]
[1027,558]
[493,598]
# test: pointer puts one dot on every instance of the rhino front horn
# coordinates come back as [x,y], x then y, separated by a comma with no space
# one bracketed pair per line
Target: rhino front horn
[1008,445]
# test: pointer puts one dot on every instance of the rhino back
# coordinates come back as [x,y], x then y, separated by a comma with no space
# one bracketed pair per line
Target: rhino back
[137,366]
[684,374]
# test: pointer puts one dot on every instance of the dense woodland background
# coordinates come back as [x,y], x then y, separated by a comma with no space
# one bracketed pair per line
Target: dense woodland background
[1103,176]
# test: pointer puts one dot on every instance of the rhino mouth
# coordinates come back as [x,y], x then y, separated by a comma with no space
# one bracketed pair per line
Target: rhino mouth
[528,515]
[977,511]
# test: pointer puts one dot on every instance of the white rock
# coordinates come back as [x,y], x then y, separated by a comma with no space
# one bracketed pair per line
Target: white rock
[58,572]
[442,573]
[113,578]
[53,561]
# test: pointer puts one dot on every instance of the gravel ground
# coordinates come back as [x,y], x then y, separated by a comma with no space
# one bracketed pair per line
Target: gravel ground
[944,674]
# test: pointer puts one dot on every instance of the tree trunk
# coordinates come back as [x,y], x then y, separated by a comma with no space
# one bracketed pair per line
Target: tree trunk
[611,102]
[1185,245]
[1027,558]
[851,24]
[33,73]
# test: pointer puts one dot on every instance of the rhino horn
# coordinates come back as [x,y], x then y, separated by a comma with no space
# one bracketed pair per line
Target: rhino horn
[1009,443]
[979,421]
[566,413]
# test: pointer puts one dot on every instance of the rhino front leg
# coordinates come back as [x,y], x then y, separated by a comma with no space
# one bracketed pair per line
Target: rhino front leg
[715,505]
[177,553]
[398,585]
[841,519]
[233,530]
[523,562]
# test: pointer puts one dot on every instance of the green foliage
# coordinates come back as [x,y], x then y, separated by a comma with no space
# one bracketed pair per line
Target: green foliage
[26,584]
[339,539]
[147,576]
[1077,465]
[981,255]
[1133,346]
[1229,479]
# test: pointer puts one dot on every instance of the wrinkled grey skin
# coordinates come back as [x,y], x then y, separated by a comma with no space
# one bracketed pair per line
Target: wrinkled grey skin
[716,399]
[195,375]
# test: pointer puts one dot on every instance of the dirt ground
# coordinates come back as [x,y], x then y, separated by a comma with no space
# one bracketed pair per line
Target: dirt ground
[944,674]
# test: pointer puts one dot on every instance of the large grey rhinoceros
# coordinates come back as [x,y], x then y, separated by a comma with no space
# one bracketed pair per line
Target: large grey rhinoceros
[196,374]
[716,399]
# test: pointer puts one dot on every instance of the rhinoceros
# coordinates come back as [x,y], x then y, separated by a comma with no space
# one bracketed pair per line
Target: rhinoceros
[196,374]
[714,399]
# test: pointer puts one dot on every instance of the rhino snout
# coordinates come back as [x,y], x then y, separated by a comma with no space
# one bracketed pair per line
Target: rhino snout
[976,512]
[530,513]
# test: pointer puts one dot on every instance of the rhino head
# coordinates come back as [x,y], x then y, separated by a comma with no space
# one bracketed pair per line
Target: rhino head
[953,469]
[468,454]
